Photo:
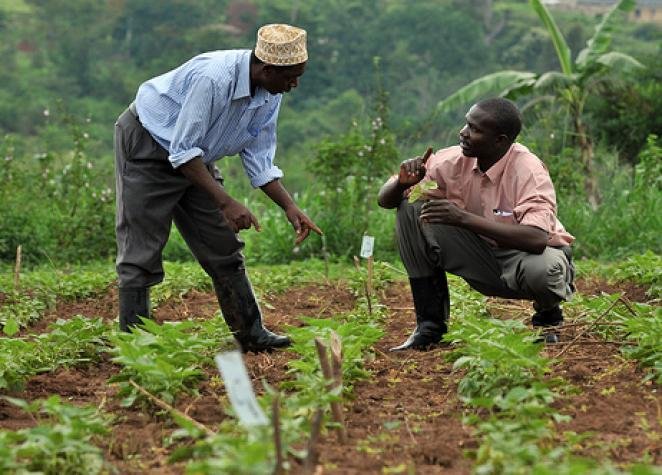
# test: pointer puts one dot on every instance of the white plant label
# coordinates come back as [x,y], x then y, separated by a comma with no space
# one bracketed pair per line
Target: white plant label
[239,388]
[367,245]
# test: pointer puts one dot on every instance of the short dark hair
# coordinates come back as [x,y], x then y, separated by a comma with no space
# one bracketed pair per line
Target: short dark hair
[505,114]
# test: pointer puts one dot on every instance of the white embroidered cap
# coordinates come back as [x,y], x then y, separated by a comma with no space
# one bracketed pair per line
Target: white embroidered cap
[281,45]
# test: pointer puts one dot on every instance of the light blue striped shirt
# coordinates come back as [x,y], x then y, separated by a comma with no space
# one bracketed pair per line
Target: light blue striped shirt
[204,109]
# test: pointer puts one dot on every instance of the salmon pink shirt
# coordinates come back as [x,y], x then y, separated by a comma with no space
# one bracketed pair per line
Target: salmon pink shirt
[515,190]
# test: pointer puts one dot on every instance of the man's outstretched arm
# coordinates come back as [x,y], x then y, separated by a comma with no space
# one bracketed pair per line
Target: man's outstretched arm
[301,223]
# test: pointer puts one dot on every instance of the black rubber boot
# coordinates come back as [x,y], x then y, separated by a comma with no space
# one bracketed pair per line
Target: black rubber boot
[242,314]
[134,302]
[432,305]
[548,320]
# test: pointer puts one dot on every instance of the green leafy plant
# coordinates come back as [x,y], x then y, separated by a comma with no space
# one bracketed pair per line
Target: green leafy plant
[73,342]
[167,359]
[61,442]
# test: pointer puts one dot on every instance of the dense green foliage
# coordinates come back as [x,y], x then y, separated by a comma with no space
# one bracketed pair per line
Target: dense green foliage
[366,102]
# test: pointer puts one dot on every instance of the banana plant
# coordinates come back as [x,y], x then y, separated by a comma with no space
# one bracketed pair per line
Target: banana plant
[571,86]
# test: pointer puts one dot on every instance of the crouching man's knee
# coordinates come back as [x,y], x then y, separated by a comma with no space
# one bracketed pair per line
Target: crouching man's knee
[548,277]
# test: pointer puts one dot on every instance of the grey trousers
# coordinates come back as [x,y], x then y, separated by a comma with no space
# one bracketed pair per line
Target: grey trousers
[150,196]
[429,248]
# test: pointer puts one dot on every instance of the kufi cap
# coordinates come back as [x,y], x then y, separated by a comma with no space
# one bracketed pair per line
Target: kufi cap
[281,45]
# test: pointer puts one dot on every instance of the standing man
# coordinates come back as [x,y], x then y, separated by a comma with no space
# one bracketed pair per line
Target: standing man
[491,220]
[217,104]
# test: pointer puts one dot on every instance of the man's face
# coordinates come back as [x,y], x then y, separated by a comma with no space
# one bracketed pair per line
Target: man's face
[478,137]
[282,79]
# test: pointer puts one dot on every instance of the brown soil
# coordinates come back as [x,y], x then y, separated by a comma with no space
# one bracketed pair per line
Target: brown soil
[596,286]
[406,415]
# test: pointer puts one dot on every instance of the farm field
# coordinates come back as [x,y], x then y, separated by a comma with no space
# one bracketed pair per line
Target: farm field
[78,397]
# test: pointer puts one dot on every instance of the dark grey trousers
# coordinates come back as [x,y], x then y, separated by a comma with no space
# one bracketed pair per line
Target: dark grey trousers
[150,196]
[428,248]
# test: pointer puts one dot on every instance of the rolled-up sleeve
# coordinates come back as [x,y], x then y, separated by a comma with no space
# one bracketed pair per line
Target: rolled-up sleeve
[193,122]
[536,203]
[258,156]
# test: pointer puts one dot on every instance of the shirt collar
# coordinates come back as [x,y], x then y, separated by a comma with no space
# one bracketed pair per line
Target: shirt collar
[495,171]
[243,86]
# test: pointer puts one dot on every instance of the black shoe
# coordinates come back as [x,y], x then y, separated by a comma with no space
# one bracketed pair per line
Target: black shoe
[548,320]
[134,303]
[432,305]
[242,314]
[425,336]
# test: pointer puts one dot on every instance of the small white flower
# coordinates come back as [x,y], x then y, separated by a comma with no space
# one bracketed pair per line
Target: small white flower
[47,112]
[86,135]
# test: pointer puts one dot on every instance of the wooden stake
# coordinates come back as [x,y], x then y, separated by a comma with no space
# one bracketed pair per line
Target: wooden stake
[369,290]
[275,419]
[336,358]
[17,269]
[164,405]
[336,407]
[325,255]
[311,451]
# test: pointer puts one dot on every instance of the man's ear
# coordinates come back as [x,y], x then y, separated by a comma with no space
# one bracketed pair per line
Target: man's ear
[503,139]
[268,70]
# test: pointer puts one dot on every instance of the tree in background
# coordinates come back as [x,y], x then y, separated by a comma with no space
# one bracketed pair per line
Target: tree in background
[572,86]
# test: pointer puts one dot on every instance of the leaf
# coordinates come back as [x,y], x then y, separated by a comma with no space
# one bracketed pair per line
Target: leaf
[419,189]
[11,327]
[554,80]
[623,61]
[560,45]
[501,81]
[601,39]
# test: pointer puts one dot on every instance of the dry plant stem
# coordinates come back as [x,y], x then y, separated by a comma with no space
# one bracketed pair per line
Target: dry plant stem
[164,405]
[385,264]
[311,450]
[336,407]
[589,328]
[17,269]
[275,420]
[385,355]
[411,435]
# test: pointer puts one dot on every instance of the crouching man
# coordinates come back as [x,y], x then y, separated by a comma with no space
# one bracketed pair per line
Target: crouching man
[491,220]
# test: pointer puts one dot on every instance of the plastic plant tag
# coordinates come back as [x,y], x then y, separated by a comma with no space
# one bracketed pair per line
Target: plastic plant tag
[418,190]
[367,245]
[239,389]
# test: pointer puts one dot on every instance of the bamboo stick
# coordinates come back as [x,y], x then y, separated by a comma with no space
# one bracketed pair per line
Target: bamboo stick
[336,407]
[311,452]
[279,469]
